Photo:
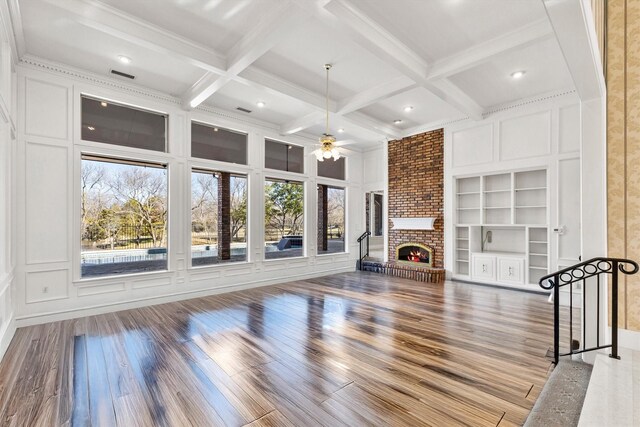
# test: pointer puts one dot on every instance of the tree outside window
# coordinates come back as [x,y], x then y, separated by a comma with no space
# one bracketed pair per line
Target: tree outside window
[284,219]
[123,216]
[218,217]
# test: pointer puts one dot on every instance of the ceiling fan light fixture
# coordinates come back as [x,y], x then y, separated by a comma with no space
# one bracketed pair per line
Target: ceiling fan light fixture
[327,148]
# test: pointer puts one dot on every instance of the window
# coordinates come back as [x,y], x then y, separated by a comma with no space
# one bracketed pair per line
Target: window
[331,223]
[332,168]
[104,121]
[213,143]
[284,219]
[218,217]
[284,157]
[124,217]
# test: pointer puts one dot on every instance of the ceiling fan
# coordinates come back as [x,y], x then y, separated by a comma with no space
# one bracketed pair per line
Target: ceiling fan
[328,145]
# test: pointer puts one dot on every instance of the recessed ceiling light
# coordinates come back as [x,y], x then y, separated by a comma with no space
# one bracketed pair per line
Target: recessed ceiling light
[408,108]
[261,104]
[104,104]
[91,128]
[397,122]
[124,59]
[518,74]
[341,130]
[215,129]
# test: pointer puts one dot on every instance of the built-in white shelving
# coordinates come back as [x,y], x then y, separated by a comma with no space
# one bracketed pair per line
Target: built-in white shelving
[504,216]
[462,250]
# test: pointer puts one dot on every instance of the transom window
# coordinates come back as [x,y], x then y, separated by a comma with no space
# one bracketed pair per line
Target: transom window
[332,168]
[116,124]
[283,156]
[214,143]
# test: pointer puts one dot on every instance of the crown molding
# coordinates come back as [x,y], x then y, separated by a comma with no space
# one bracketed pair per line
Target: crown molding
[36,63]
[540,98]
[493,110]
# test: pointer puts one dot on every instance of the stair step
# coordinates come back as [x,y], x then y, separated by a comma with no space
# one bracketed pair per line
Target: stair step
[561,398]
[614,391]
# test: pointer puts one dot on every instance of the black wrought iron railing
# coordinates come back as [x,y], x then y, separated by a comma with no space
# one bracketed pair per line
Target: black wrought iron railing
[585,274]
[363,241]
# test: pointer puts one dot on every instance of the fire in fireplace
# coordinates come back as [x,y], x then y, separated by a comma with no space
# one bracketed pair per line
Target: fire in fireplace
[414,253]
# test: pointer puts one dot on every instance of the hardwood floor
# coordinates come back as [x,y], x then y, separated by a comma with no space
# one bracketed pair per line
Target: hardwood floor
[349,349]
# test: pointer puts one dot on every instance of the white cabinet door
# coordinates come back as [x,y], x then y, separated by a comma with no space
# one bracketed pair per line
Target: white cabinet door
[484,267]
[511,270]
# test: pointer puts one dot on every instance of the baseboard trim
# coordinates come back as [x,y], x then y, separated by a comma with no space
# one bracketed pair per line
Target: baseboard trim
[55,316]
[629,339]
[6,335]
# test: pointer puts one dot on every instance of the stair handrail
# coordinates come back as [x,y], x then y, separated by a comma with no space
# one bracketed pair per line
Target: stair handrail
[362,237]
[580,272]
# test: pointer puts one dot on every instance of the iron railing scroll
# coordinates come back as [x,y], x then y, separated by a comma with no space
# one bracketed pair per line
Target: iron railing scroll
[587,273]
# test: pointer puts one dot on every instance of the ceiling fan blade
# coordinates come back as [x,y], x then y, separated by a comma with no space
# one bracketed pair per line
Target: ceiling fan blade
[344,142]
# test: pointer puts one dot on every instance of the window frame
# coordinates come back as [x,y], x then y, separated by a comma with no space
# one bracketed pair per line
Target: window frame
[224,127]
[346,171]
[276,172]
[197,167]
[122,158]
[133,106]
[304,181]
[332,182]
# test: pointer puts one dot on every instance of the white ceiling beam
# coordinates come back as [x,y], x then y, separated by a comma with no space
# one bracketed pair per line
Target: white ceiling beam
[203,89]
[573,25]
[12,20]
[373,37]
[365,122]
[261,79]
[376,94]
[484,51]
[272,29]
[301,123]
[111,21]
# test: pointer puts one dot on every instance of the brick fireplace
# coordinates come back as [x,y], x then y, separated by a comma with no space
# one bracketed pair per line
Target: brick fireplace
[416,189]
[414,254]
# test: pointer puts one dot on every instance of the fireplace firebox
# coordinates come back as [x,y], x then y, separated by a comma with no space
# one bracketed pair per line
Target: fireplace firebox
[414,253]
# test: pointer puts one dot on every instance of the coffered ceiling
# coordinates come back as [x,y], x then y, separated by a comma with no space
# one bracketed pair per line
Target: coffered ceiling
[448,59]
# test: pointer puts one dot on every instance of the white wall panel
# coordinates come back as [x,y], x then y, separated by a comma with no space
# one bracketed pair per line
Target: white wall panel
[570,129]
[47,203]
[569,208]
[49,206]
[148,283]
[47,109]
[472,146]
[98,289]
[525,137]
[47,285]
[373,165]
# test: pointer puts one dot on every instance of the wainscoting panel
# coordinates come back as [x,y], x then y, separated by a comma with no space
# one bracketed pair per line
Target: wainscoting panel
[570,129]
[473,146]
[47,203]
[526,136]
[47,286]
[89,290]
[47,109]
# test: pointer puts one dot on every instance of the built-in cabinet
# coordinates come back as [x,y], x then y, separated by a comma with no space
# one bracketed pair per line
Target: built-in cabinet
[501,229]
[513,194]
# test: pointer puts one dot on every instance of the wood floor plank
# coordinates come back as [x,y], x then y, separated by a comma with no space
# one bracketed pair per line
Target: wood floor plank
[348,349]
